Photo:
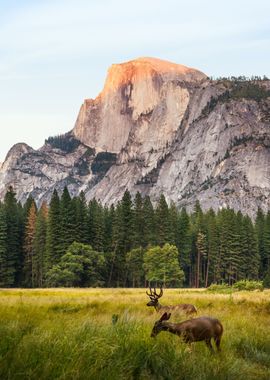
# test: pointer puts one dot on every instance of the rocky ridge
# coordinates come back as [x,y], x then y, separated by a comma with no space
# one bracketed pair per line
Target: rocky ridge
[157,127]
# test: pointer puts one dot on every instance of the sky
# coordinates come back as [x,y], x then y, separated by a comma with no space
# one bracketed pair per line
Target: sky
[54,54]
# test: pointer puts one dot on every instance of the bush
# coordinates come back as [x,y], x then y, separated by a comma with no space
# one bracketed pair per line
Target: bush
[219,288]
[248,285]
[238,286]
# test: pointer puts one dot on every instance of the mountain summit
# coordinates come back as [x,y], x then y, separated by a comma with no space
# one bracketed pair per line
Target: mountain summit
[157,127]
[144,67]
[133,91]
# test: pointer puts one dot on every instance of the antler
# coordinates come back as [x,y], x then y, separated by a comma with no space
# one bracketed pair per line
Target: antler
[160,293]
[153,294]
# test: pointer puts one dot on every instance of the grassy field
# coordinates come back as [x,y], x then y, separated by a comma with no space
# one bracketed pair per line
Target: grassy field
[69,334]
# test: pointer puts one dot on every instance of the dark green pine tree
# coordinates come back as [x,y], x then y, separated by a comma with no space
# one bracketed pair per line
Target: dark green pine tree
[222,223]
[96,225]
[28,246]
[259,228]
[108,215]
[108,227]
[126,242]
[197,218]
[81,223]
[53,251]
[139,238]
[39,245]
[174,226]
[3,249]
[266,245]
[21,229]
[164,230]
[122,240]
[183,244]
[212,247]
[67,227]
[250,249]
[198,226]
[14,255]
[243,245]
[116,260]
[150,235]
[201,246]
[232,259]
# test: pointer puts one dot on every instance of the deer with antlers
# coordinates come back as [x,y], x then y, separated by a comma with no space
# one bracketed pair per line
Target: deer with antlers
[185,308]
[192,330]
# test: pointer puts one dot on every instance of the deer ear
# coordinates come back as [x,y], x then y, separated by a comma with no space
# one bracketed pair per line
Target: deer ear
[164,317]
[169,316]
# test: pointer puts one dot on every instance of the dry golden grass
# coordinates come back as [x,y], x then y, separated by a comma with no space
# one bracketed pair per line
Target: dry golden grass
[69,334]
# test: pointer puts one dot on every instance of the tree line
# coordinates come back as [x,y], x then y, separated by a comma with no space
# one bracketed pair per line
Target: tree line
[70,242]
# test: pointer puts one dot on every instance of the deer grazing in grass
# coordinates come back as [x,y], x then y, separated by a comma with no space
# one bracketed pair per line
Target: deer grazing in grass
[185,308]
[192,330]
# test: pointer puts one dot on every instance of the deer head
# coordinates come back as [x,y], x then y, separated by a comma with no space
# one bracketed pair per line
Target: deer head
[158,326]
[154,297]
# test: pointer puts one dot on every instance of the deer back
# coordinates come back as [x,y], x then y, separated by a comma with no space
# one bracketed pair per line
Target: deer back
[183,308]
[197,329]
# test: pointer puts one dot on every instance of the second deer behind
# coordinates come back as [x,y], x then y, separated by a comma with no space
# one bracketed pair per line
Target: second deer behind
[185,308]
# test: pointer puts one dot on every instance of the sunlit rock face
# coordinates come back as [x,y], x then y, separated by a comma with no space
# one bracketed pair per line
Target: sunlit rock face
[146,97]
[157,127]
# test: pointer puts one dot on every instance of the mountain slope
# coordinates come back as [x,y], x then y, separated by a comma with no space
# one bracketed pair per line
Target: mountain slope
[158,127]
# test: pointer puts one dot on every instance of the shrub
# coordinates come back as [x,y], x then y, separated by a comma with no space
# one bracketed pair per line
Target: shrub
[219,288]
[248,285]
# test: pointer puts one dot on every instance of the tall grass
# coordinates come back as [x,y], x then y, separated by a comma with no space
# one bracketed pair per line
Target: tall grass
[70,334]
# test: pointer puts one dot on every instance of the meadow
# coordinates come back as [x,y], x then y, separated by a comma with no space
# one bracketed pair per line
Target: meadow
[73,334]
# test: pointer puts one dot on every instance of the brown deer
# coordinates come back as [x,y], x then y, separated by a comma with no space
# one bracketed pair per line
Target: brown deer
[192,330]
[181,308]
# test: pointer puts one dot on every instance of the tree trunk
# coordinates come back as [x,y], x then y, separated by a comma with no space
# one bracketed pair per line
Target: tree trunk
[198,269]
[207,272]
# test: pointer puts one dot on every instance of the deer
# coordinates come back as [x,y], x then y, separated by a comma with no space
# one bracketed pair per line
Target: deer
[192,330]
[181,308]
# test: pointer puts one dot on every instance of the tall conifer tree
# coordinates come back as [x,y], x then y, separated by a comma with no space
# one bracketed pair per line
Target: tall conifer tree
[67,230]
[81,224]
[139,238]
[53,250]
[150,234]
[164,231]
[266,245]
[14,258]
[184,243]
[40,246]
[96,225]
[3,249]
[29,246]
[259,227]
[212,247]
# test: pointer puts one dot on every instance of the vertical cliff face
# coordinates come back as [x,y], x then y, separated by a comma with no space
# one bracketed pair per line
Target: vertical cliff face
[157,127]
[145,98]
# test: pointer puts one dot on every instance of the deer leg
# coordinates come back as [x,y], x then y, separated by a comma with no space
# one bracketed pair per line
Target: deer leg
[217,341]
[209,344]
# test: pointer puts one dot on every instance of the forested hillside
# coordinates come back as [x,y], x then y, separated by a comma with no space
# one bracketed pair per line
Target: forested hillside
[72,243]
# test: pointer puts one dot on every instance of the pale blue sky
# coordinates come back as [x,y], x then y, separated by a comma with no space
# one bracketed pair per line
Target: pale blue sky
[54,54]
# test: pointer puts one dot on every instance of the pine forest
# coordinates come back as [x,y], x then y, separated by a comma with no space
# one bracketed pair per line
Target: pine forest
[70,242]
